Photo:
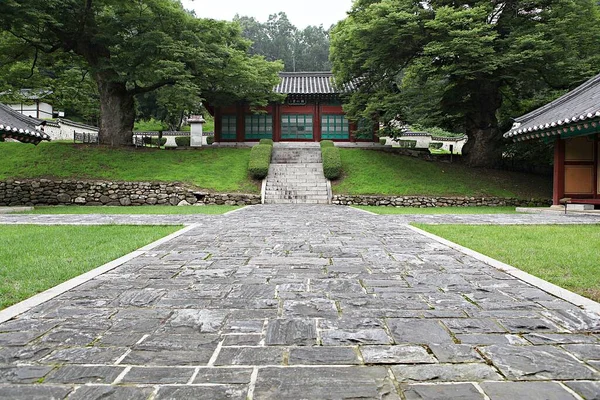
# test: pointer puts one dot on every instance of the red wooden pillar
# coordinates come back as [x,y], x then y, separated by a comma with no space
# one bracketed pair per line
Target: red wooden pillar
[277,122]
[240,125]
[218,124]
[317,128]
[559,171]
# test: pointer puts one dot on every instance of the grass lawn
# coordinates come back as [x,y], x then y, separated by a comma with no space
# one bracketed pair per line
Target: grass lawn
[34,258]
[211,210]
[438,210]
[376,172]
[214,169]
[566,255]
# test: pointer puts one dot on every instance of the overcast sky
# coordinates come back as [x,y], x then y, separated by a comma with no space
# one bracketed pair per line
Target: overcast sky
[300,12]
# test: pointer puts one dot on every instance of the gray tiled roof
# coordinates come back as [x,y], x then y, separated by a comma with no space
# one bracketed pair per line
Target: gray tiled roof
[309,83]
[579,105]
[18,126]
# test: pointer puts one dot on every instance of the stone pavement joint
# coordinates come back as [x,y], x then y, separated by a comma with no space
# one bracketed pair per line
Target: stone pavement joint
[313,302]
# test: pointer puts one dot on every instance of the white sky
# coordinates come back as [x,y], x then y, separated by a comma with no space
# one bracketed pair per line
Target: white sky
[300,12]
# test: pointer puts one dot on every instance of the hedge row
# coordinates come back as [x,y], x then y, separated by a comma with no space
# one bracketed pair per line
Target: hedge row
[332,162]
[260,159]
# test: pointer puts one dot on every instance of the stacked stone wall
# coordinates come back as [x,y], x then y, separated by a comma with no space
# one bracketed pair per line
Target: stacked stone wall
[429,201]
[102,193]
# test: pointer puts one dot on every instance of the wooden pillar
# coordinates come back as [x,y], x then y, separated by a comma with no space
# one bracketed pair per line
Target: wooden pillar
[277,122]
[240,123]
[317,128]
[559,171]
[218,124]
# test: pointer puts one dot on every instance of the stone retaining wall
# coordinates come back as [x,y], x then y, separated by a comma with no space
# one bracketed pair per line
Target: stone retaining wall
[425,201]
[101,193]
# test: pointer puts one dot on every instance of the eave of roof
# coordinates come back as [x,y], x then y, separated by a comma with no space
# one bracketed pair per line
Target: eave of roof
[578,110]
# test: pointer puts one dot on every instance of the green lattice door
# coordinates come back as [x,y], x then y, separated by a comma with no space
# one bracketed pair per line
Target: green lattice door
[334,127]
[296,126]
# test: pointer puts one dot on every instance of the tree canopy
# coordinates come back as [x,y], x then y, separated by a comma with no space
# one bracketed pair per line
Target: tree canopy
[467,66]
[279,39]
[133,48]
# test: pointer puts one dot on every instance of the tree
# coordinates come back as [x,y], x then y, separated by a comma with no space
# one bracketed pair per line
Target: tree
[279,39]
[453,64]
[136,47]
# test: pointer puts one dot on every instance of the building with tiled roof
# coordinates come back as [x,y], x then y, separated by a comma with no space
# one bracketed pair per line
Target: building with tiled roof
[311,112]
[572,123]
[14,125]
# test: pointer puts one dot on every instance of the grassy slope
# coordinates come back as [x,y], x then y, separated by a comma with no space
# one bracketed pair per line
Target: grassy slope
[438,210]
[154,210]
[375,172]
[566,255]
[36,258]
[215,169]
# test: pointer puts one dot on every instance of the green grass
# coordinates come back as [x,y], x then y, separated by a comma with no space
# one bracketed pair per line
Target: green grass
[375,172]
[35,258]
[566,255]
[438,210]
[154,210]
[213,169]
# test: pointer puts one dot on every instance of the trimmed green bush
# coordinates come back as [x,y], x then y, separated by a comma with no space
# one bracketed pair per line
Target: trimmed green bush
[435,145]
[382,141]
[408,143]
[327,143]
[332,162]
[266,141]
[183,141]
[210,140]
[260,159]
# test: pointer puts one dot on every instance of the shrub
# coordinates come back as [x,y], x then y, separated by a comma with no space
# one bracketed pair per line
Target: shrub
[183,141]
[332,162]
[260,159]
[326,144]
[210,140]
[266,141]
[408,143]
[154,141]
[382,141]
[435,145]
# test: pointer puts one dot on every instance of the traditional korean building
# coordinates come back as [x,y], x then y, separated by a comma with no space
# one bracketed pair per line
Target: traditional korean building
[572,123]
[14,125]
[311,112]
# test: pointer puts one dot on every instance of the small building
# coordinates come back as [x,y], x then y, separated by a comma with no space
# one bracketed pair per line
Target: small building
[16,126]
[312,112]
[572,123]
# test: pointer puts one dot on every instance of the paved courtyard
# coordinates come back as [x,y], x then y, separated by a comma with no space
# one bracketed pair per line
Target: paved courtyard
[301,302]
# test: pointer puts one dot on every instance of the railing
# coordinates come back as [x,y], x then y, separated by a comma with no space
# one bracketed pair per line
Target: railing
[85,137]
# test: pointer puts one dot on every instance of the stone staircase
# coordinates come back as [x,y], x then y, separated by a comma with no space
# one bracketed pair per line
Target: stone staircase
[296,176]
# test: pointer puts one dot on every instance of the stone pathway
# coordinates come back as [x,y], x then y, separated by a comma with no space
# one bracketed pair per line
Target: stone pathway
[302,302]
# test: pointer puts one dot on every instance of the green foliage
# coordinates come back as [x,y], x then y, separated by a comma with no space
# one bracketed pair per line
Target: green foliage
[327,143]
[260,159]
[183,141]
[561,254]
[278,39]
[332,163]
[64,252]
[377,172]
[461,67]
[213,169]
[150,49]
[266,141]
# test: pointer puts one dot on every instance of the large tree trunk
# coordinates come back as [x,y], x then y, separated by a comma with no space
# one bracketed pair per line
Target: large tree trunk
[117,113]
[484,146]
